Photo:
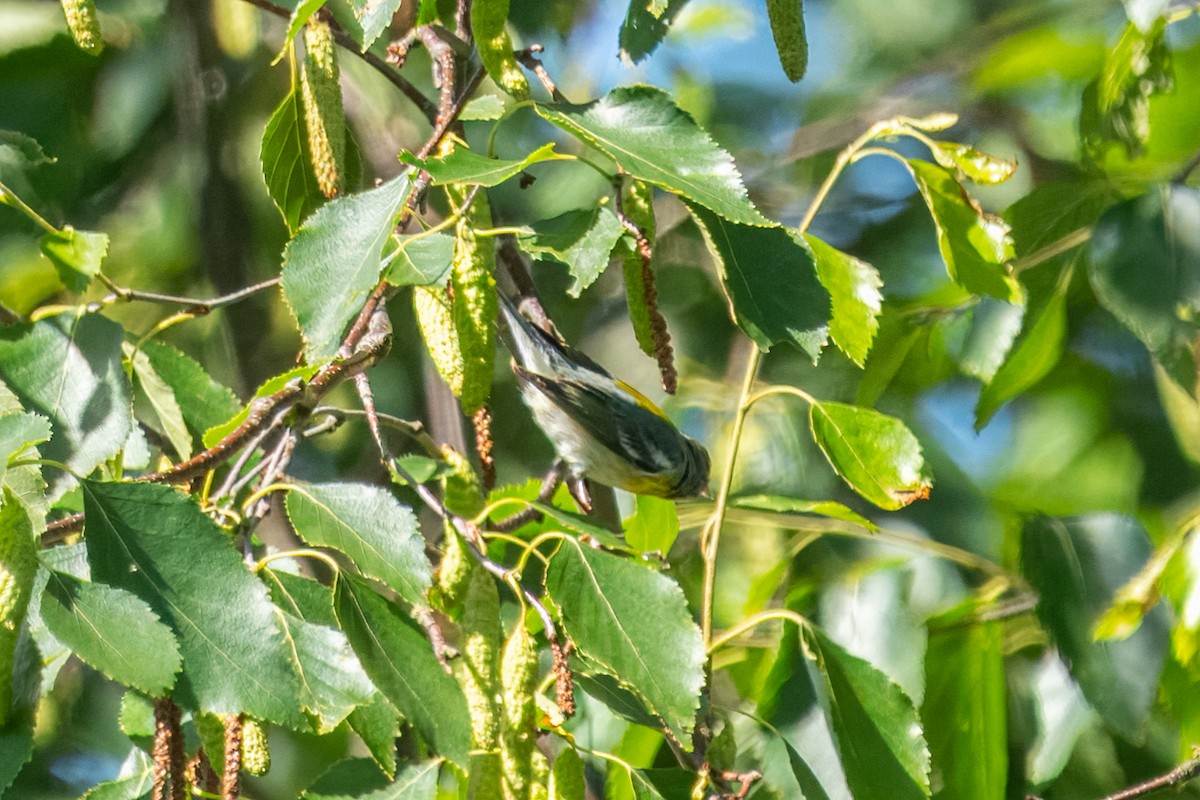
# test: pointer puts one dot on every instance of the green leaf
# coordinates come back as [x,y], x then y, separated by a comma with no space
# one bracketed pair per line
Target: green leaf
[162,400]
[974,164]
[634,624]
[69,369]
[152,541]
[421,260]
[1029,362]
[646,23]
[897,334]
[268,388]
[377,723]
[580,239]
[366,523]
[360,779]
[400,661]
[1116,106]
[791,505]
[285,157]
[1076,565]
[975,246]
[787,26]
[332,681]
[209,403]
[76,255]
[112,631]
[875,454]
[135,780]
[1145,269]
[877,729]
[16,748]
[965,710]
[1053,210]
[18,432]
[770,279]
[786,771]
[650,138]
[987,333]
[333,262]
[463,165]
[654,525]
[364,20]
[853,286]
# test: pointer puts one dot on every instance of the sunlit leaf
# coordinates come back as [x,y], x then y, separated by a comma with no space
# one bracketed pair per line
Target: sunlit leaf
[69,369]
[646,23]
[334,260]
[163,402]
[653,526]
[400,661]
[287,161]
[634,623]
[965,710]
[207,402]
[76,255]
[148,539]
[875,454]
[370,526]
[360,779]
[652,139]
[854,287]
[770,280]
[421,260]
[112,631]
[975,246]
[974,164]
[463,165]
[1030,361]
[582,240]
[791,505]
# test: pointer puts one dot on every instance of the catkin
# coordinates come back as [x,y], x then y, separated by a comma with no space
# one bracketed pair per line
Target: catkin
[519,668]
[84,25]
[435,316]
[474,287]
[488,25]
[256,753]
[324,117]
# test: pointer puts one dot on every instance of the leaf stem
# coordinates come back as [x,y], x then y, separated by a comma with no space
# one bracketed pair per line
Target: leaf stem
[1071,240]
[753,622]
[711,535]
[9,197]
[302,553]
[773,390]
[844,159]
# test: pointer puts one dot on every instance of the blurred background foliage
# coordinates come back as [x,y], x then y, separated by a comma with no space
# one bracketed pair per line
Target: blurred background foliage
[156,142]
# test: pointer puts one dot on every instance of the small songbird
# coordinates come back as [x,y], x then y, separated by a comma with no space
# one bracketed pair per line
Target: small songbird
[600,426]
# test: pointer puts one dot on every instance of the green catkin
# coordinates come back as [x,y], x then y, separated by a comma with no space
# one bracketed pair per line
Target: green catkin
[84,25]
[18,565]
[454,572]
[787,26]
[256,754]
[461,490]
[480,626]
[324,117]
[474,287]
[637,203]
[435,316]
[519,670]
[489,19]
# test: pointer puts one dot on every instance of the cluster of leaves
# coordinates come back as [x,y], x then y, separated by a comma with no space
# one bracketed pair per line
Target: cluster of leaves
[170,594]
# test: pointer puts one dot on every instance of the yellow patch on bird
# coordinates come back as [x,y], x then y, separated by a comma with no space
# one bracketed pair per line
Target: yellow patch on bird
[642,400]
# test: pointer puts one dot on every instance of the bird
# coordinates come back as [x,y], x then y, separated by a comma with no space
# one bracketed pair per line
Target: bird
[601,427]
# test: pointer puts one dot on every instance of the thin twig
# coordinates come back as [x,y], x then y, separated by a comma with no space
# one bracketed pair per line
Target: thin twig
[529,58]
[193,306]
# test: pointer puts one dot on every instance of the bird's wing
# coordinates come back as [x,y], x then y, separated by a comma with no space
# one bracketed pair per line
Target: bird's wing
[640,435]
